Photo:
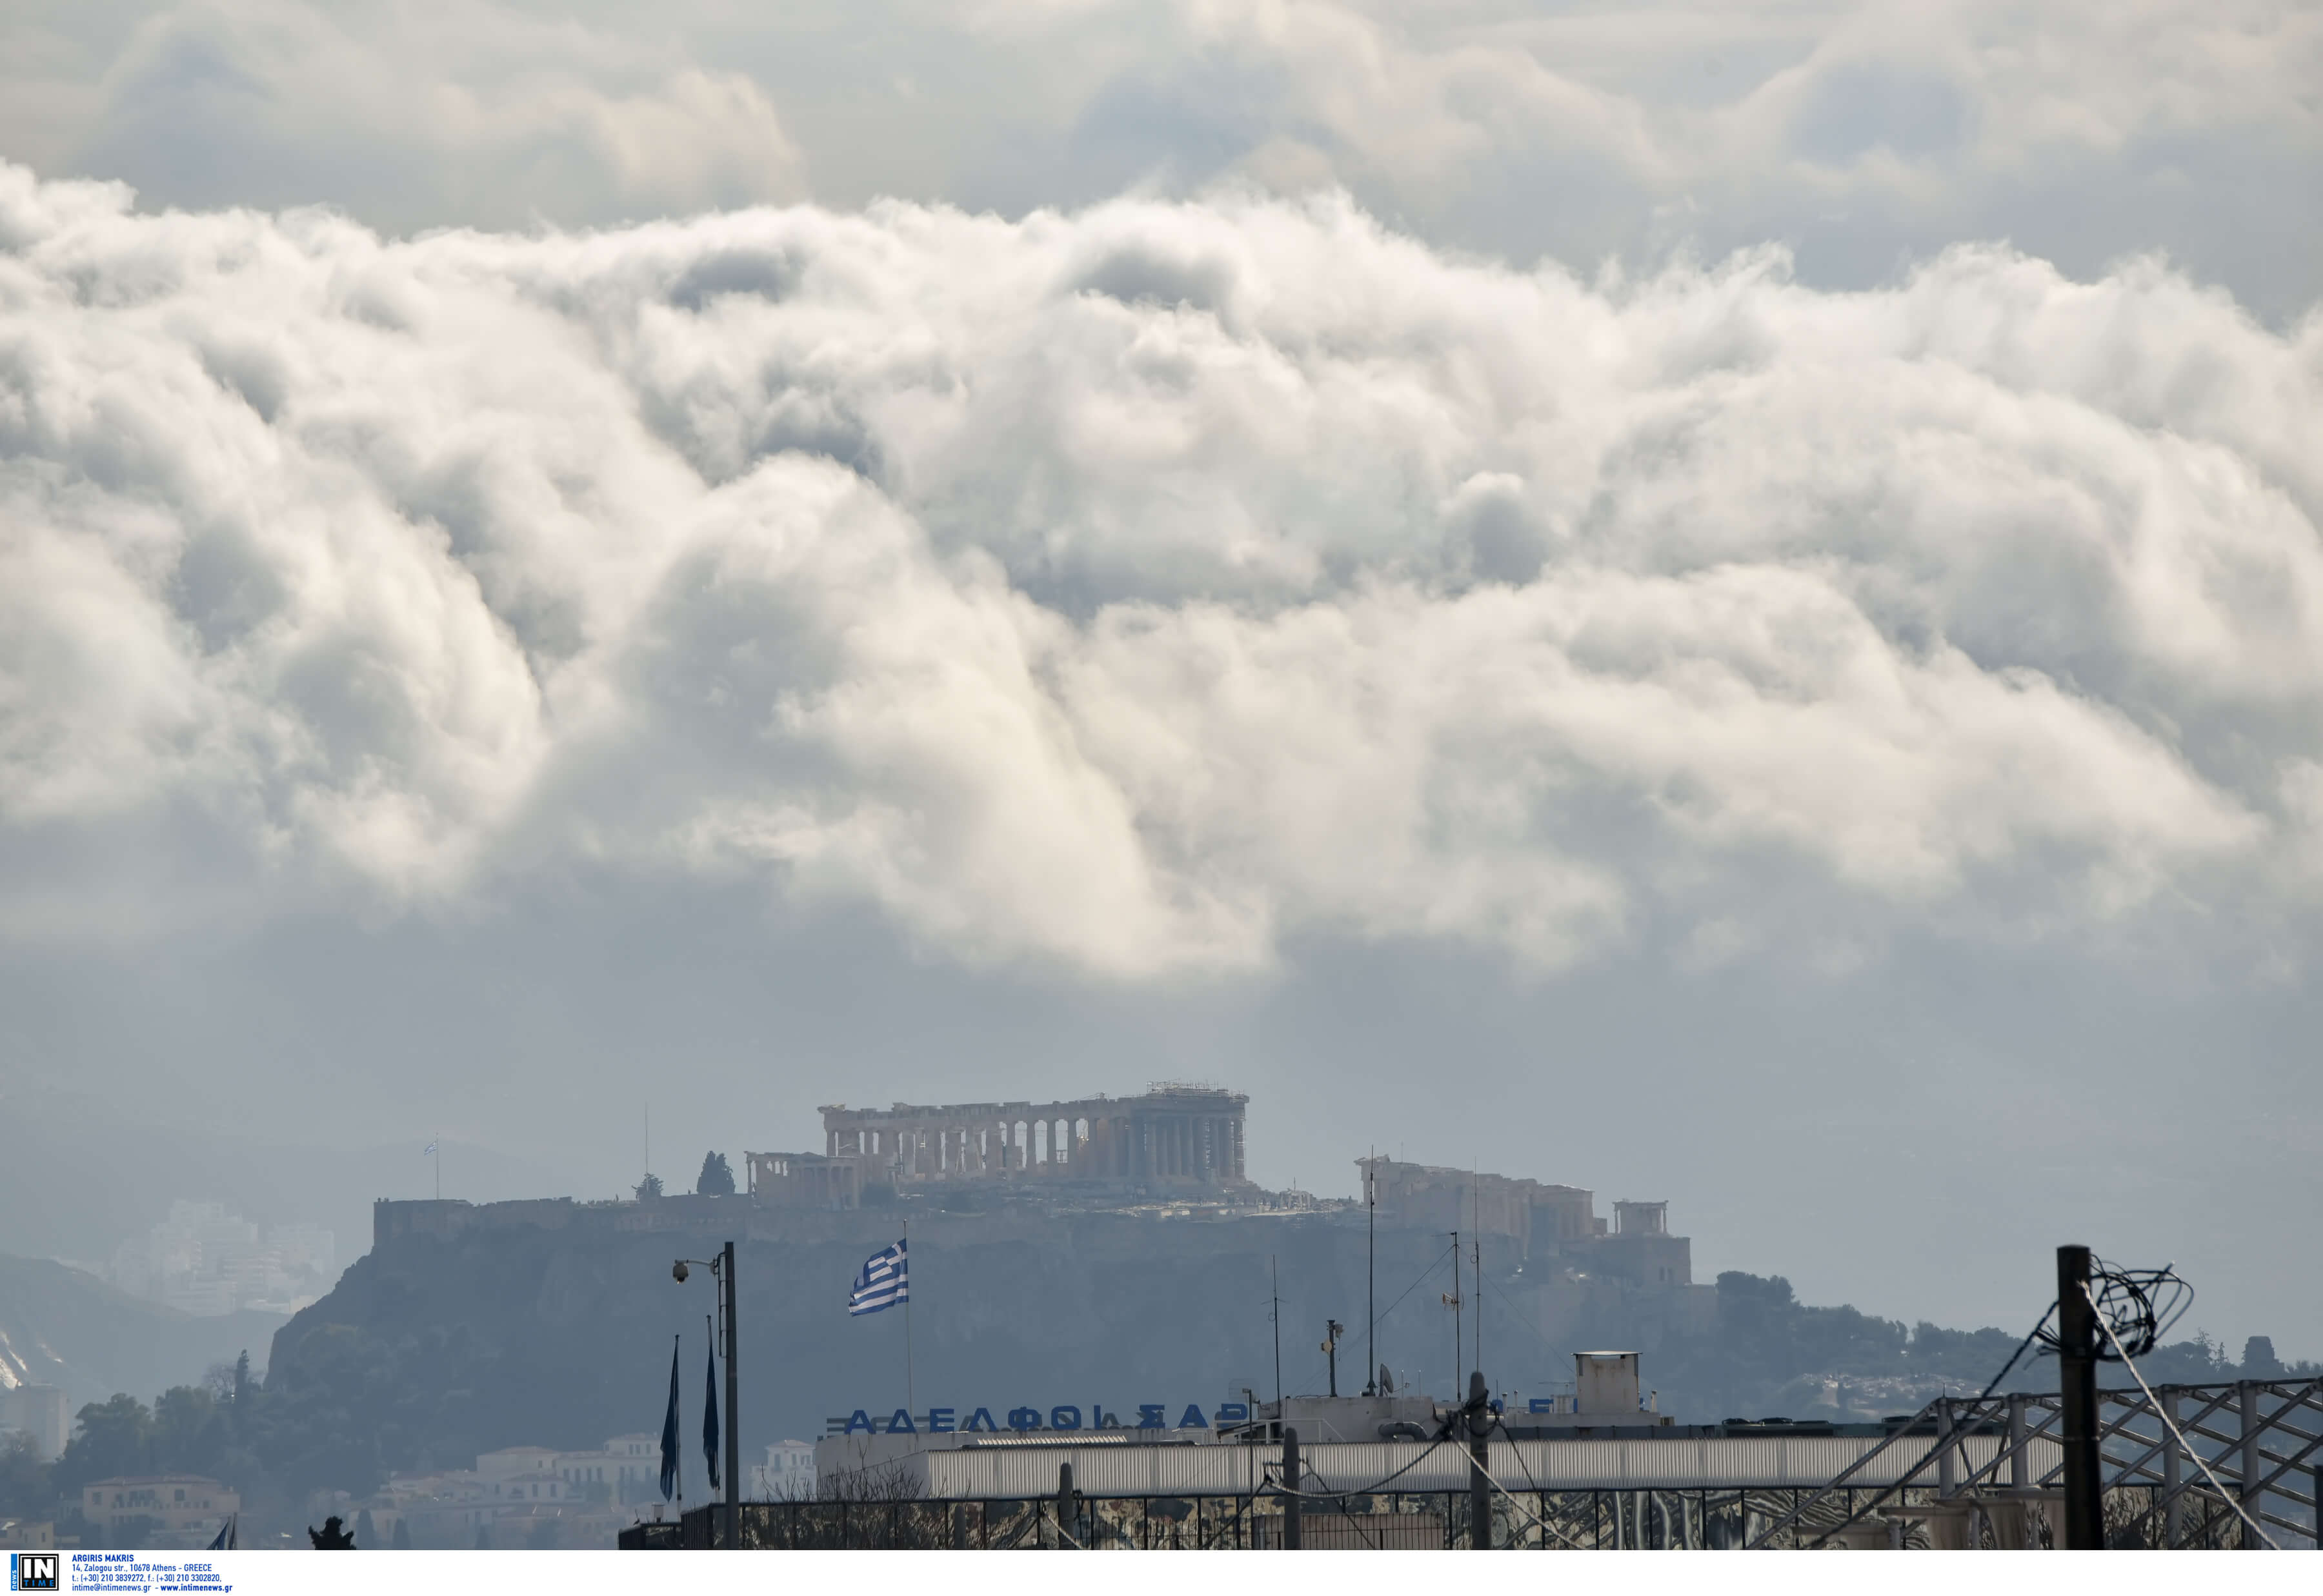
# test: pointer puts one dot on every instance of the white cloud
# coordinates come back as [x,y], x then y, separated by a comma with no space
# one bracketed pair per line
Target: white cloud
[1862,134]
[1132,590]
[424,114]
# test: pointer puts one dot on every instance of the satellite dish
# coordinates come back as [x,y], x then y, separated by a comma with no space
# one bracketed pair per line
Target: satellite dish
[1387,1382]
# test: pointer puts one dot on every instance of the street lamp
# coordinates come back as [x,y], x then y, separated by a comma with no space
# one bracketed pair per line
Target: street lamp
[722,1269]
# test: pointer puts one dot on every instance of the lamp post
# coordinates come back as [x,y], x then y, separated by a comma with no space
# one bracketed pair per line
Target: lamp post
[722,1269]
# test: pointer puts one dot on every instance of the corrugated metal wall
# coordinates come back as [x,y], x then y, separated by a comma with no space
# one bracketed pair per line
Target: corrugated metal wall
[1719,1463]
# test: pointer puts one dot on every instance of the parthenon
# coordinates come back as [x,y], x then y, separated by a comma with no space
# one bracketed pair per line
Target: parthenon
[1173,1136]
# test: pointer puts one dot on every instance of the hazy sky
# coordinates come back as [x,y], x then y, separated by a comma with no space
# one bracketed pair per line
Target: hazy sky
[1720,603]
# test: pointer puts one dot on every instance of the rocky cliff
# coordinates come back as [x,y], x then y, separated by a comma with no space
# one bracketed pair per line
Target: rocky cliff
[450,1340]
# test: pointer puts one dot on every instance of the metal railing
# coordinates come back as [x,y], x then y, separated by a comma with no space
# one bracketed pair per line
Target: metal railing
[1712,1518]
[2262,1438]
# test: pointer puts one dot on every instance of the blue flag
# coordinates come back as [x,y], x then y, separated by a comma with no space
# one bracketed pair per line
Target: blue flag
[886,1281]
[226,1541]
[669,1430]
[710,1415]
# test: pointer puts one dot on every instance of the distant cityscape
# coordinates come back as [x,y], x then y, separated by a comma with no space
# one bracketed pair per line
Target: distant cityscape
[206,1262]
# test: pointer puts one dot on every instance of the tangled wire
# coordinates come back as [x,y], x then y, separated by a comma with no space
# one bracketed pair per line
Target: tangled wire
[2140,1306]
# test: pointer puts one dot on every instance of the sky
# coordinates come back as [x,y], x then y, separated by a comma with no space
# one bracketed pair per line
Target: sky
[1719,603]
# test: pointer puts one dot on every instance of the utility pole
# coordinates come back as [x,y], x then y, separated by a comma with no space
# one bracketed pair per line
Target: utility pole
[1476,1190]
[1479,1415]
[733,1415]
[1274,1270]
[1292,1484]
[721,1270]
[2077,1374]
[1331,1328]
[1453,1302]
[1371,1274]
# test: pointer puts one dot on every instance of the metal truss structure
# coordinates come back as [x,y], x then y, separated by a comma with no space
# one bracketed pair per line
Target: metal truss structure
[2261,1440]
[2178,1470]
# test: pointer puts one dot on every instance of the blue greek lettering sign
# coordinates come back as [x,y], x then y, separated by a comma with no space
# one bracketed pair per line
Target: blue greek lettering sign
[1065,1418]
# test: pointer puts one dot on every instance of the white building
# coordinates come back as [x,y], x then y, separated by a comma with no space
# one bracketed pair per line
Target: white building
[41,1412]
[206,1261]
[629,1467]
[509,1493]
[498,1468]
[786,1475]
[186,1508]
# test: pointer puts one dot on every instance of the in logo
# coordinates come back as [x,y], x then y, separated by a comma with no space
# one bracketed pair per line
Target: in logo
[32,1571]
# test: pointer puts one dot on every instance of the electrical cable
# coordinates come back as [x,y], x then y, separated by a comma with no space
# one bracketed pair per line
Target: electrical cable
[1417,1281]
[2142,1304]
[1514,1500]
[1516,1503]
[2046,1341]
[1274,1486]
[2167,1422]
[2137,1306]
[1437,1263]
[1799,1512]
[1517,1450]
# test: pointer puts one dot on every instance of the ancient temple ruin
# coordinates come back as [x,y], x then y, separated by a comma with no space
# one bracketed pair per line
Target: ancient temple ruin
[1175,1138]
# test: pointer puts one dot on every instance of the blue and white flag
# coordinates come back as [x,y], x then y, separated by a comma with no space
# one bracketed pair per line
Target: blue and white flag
[886,1281]
[427,1150]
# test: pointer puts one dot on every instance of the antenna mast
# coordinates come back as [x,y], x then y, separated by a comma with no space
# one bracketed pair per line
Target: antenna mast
[1371,1274]
[1476,1195]
[1457,1338]
[1275,1273]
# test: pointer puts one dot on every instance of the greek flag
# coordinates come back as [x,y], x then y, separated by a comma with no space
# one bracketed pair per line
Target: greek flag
[886,1281]
[427,1150]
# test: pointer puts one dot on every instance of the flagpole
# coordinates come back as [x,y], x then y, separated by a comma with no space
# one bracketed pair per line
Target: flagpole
[911,1401]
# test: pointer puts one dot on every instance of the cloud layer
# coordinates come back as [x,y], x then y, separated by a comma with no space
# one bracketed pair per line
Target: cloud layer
[1860,135]
[1134,588]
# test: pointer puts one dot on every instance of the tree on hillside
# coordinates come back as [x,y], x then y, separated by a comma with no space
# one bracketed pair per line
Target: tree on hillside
[109,1438]
[648,1188]
[717,1178]
[189,1432]
[25,1490]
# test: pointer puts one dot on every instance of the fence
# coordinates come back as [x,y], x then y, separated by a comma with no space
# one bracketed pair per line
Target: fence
[2166,1464]
[1609,1520]
[1965,1472]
